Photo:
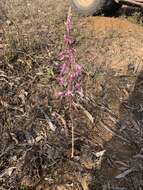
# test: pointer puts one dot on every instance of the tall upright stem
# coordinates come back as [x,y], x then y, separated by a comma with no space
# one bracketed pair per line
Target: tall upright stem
[72,126]
[72,153]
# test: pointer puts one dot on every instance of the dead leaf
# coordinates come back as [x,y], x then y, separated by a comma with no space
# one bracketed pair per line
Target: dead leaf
[7,172]
[124,174]
[100,154]
[86,112]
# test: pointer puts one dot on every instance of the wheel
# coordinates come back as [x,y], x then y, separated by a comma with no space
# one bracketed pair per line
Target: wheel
[92,7]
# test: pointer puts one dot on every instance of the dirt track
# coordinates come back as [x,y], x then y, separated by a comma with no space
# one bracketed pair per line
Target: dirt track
[111,52]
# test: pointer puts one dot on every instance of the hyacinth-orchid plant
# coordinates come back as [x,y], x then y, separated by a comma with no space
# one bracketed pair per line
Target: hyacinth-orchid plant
[70,71]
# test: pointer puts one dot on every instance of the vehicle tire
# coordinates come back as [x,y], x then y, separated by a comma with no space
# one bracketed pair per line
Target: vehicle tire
[92,7]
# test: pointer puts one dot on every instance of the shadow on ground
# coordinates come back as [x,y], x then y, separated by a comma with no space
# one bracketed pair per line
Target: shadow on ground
[122,165]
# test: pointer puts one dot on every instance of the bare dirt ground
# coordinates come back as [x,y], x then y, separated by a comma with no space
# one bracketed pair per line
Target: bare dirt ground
[35,134]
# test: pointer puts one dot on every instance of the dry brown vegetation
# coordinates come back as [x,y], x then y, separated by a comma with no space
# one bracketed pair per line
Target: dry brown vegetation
[35,134]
